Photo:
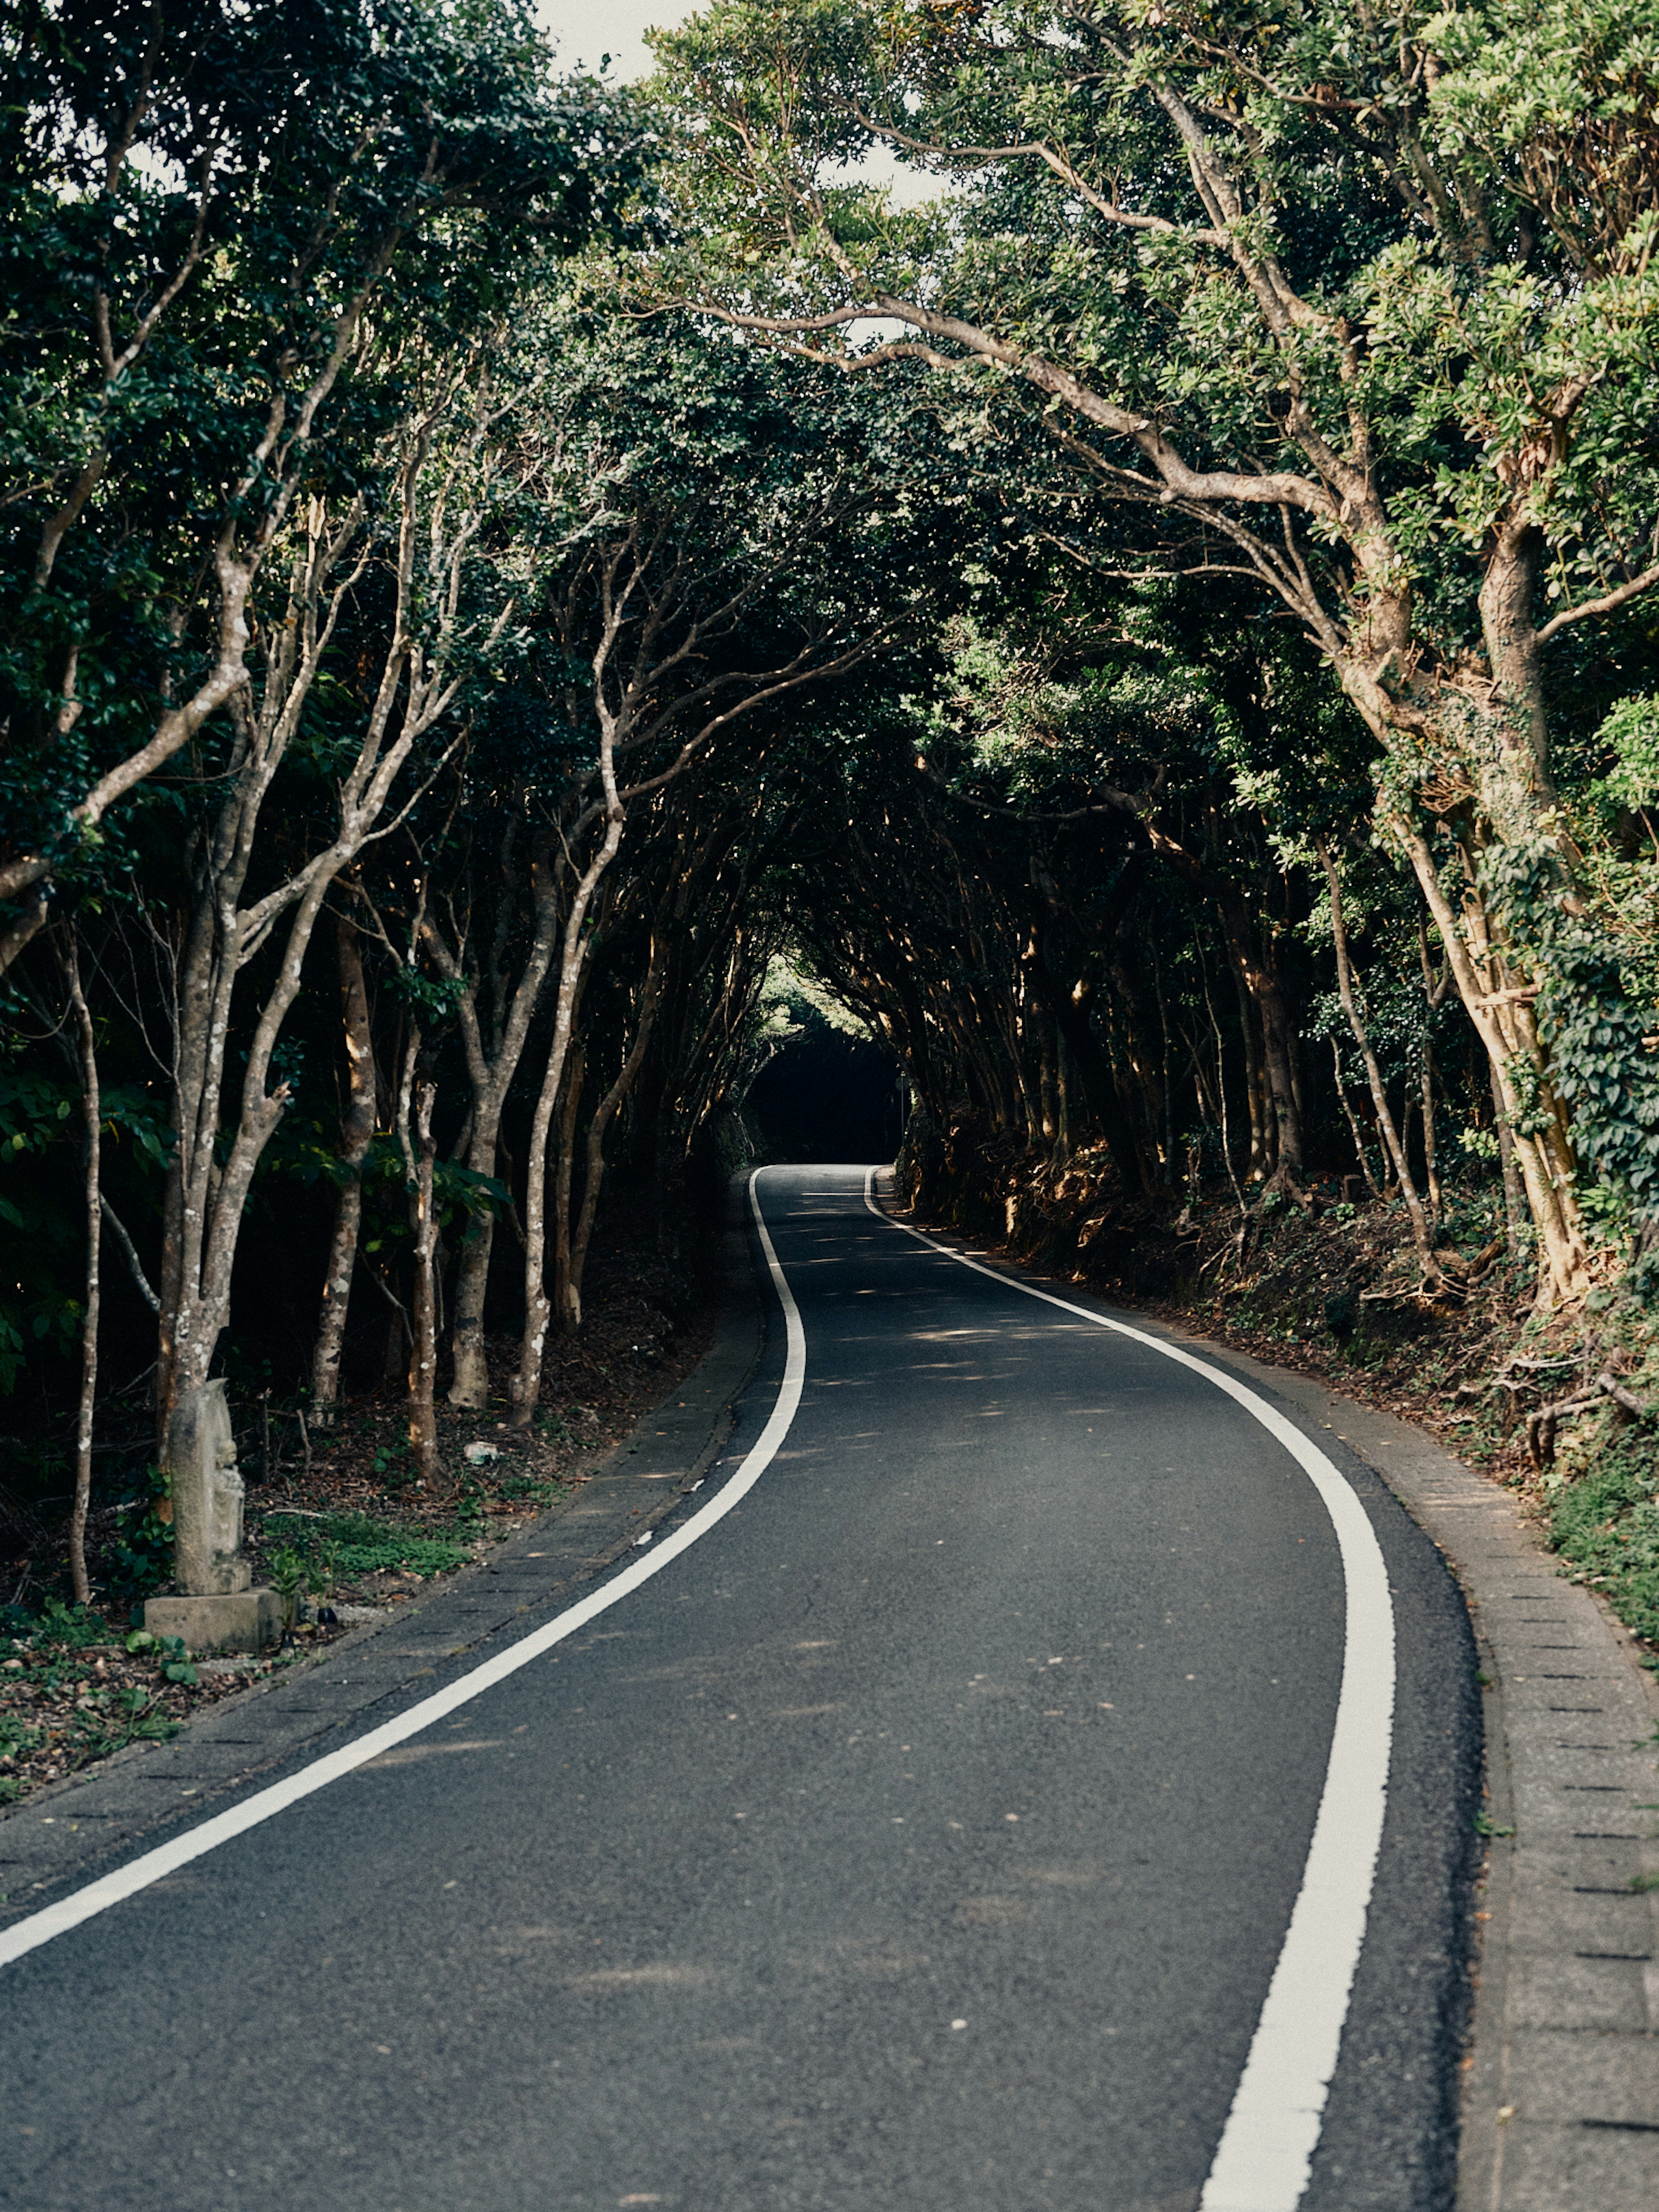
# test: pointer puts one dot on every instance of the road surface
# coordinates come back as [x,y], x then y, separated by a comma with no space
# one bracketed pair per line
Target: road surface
[927,1833]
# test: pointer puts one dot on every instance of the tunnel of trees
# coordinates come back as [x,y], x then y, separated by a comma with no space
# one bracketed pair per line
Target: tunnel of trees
[559,639]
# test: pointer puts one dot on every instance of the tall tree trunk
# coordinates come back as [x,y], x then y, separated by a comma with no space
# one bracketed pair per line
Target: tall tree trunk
[356,1134]
[575,1075]
[1092,1067]
[1360,1153]
[208,1181]
[91,1113]
[1514,1191]
[1385,1121]
[1430,1157]
[650,1000]
[491,1068]
[1255,1089]
[423,1352]
[1262,991]
[1500,1006]
[575,950]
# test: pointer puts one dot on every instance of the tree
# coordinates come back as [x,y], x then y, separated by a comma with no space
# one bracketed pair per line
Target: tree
[224,227]
[1360,307]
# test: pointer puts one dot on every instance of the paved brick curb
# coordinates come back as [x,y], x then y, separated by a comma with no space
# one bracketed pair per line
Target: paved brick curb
[59,1836]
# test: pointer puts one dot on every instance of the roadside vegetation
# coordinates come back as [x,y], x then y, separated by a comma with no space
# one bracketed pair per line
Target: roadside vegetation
[523,602]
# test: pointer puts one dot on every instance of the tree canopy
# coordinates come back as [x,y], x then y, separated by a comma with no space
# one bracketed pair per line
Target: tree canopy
[510,581]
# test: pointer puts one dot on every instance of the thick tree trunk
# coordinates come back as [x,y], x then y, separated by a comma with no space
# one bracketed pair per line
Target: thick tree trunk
[356,1134]
[1500,1005]
[470,1383]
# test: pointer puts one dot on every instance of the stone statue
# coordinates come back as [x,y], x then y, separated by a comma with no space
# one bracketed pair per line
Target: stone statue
[207,1497]
[216,1608]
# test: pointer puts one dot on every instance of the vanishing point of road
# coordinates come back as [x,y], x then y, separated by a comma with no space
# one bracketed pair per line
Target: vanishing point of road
[1033,1772]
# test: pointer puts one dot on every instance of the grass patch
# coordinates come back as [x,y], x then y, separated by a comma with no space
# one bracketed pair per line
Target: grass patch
[357,1543]
[1607,1524]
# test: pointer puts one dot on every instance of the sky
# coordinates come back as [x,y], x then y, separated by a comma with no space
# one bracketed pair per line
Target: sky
[586,30]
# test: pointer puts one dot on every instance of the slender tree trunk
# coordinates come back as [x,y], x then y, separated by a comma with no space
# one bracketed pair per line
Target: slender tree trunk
[1261,1160]
[539,1310]
[650,1000]
[1091,1064]
[209,1182]
[1167,1139]
[1221,1100]
[492,1072]
[356,1134]
[1385,1121]
[1360,1153]
[92,1112]
[1275,1119]
[576,1073]
[1430,1157]
[423,1354]
[1514,1191]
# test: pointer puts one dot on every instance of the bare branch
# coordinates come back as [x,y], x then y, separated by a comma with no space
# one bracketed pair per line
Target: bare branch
[1605,606]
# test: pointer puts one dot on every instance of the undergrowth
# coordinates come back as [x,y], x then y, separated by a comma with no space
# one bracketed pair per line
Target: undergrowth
[356,1543]
[1606,1525]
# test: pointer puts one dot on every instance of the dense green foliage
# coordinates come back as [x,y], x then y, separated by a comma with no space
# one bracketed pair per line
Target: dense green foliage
[508,586]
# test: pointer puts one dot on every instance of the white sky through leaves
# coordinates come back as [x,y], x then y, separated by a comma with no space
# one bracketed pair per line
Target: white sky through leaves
[587,30]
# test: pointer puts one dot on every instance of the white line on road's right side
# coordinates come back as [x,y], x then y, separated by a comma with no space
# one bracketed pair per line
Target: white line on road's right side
[25,1936]
[1265,2153]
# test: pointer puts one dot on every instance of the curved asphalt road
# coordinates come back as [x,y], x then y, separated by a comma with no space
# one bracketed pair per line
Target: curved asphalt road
[925,1836]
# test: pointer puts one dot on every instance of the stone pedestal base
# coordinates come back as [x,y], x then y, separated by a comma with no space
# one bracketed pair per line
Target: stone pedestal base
[246,1620]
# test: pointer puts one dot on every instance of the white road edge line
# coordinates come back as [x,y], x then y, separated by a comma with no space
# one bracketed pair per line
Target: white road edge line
[1265,2153]
[25,1936]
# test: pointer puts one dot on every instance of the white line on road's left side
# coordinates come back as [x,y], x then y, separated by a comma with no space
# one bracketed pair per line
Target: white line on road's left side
[25,1936]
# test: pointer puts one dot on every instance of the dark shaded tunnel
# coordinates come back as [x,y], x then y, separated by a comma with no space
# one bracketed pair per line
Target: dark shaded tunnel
[827,1096]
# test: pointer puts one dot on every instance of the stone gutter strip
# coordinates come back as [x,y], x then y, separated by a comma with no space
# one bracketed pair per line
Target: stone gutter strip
[54,1838]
